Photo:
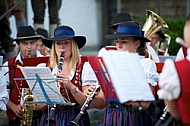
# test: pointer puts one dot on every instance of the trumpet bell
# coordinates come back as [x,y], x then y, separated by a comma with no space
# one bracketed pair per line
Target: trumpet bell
[153,24]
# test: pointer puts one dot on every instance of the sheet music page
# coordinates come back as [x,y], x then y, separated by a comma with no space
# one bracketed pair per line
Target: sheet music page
[127,76]
[48,81]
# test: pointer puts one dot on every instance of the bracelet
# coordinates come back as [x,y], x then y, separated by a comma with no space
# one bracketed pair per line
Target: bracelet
[75,91]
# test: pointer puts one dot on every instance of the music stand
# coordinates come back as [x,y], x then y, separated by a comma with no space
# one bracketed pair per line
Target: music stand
[44,88]
[101,73]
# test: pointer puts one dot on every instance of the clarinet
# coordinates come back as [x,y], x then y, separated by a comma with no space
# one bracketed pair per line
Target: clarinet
[85,105]
[51,119]
[164,119]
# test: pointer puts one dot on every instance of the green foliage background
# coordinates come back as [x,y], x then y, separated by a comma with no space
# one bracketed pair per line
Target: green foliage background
[175,24]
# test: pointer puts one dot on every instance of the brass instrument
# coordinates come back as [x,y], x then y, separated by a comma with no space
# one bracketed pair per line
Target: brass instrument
[163,46]
[86,105]
[26,119]
[153,24]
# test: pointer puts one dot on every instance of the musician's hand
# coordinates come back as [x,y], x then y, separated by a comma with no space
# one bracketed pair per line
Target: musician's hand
[88,91]
[65,80]
[17,109]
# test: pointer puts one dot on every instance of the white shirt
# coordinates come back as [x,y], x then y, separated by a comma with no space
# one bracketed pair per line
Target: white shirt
[153,53]
[4,96]
[88,76]
[150,70]
[180,55]
[169,80]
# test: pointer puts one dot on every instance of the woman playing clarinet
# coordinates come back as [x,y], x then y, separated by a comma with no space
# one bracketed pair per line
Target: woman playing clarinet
[76,74]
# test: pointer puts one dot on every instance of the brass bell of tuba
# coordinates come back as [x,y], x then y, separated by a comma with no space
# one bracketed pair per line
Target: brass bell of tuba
[153,24]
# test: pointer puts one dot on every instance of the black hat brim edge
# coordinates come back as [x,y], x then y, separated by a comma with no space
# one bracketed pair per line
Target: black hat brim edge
[27,38]
[115,36]
[118,23]
[80,40]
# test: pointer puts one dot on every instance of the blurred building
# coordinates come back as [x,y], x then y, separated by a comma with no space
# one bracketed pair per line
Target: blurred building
[93,18]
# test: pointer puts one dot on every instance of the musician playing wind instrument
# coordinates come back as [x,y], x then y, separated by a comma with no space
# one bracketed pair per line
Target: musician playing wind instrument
[26,40]
[182,53]
[175,85]
[129,37]
[77,75]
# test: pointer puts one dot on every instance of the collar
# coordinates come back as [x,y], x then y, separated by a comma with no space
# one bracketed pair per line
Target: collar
[18,58]
[141,57]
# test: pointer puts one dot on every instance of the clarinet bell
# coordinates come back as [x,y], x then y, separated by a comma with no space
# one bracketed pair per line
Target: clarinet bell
[51,119]
[73,123]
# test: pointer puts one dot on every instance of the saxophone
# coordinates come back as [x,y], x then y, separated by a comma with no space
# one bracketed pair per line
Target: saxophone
[26,119]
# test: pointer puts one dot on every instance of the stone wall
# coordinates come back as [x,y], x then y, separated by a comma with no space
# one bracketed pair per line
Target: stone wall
[167,8]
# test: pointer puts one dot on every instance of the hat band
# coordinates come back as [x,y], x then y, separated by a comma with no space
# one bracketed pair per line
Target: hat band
[129,30]
[63,32]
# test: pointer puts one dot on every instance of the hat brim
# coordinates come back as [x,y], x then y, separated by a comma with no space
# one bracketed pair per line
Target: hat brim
[118,23]
[80,40]
[115,36]
[27,38]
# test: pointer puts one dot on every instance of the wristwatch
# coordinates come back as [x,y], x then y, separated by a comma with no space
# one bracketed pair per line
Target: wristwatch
[75,91]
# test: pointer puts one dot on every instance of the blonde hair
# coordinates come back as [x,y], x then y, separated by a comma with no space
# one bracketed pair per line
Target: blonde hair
[75,55]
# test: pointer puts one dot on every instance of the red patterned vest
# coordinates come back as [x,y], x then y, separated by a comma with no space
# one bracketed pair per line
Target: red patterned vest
[14,95]
[183,102]
[76,80]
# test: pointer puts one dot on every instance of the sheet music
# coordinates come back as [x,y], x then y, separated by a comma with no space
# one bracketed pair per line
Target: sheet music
[127,76]
[48,81]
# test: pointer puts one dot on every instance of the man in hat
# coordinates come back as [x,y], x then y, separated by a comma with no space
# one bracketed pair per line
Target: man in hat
[26,40]
[40,46]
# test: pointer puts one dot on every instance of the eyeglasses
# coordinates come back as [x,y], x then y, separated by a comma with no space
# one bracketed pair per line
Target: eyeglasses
[67,42]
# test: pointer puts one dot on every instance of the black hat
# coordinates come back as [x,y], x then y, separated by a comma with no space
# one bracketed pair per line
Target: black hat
[128,29]
[64,33]
[121,18]
[26,33]
[42,32]
[161,34]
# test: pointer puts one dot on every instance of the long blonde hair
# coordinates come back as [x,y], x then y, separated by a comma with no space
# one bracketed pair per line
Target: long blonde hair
[75,56]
